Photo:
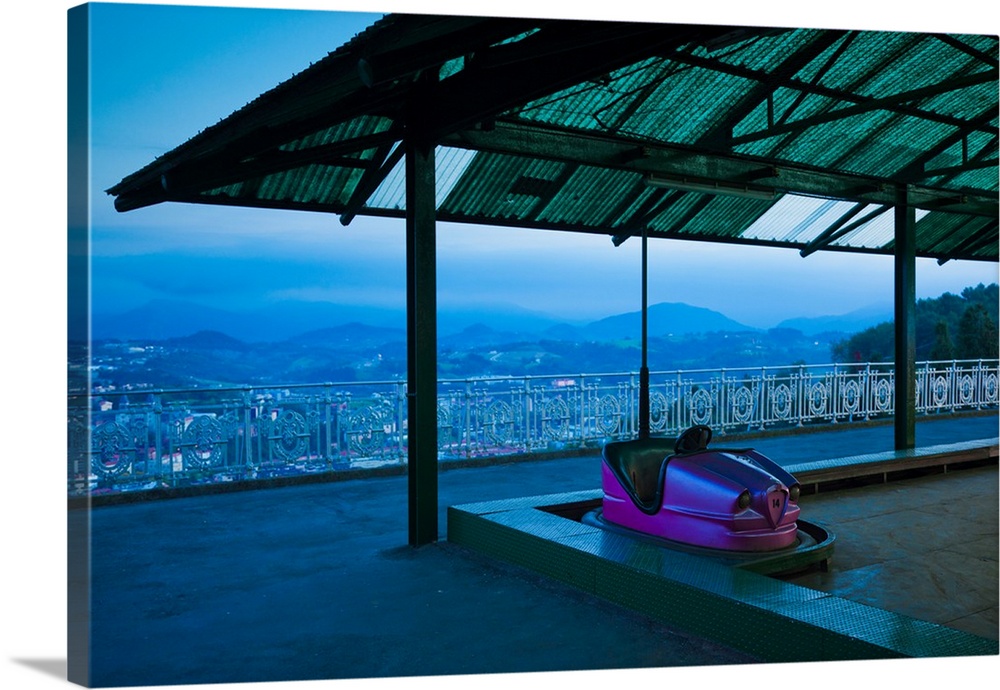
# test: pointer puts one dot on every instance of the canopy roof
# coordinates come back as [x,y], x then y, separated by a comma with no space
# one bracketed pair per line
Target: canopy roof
[783,137]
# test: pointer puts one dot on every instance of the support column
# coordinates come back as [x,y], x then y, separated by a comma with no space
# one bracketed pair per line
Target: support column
[421,328]
[644,368]
[905,322]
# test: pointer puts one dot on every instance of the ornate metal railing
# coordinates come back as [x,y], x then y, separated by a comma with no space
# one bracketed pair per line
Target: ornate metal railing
[130,441]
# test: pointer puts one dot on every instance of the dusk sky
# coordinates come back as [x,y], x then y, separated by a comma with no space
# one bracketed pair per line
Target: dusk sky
[161,74]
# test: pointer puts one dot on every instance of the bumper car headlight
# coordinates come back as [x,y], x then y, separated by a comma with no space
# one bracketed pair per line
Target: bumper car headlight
[743,502]
[793,493]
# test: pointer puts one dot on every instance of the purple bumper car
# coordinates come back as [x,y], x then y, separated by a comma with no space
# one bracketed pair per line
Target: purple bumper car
[731,500]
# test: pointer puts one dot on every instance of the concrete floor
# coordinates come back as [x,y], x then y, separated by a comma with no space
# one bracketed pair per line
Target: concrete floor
[314,582]
[925,547]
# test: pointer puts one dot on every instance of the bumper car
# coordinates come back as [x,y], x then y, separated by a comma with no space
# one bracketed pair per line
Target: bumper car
[732,500]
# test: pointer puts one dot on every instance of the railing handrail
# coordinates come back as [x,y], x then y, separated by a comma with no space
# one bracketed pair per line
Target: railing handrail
[142,438]
[249,388]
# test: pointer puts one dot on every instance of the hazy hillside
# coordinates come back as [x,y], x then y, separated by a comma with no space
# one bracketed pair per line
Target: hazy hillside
[850,322]
[162,346]
[664,319]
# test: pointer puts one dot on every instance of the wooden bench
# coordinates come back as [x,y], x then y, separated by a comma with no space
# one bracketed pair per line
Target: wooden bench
[882,465]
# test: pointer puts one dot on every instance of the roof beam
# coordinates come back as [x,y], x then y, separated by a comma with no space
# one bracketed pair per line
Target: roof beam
[953,170]
[915,170]
[835,231]
[722,130]
[984,236]
[506,77]
[654,205]
[510,137]
[968,50]
[185,180]
[883,103]
[818,90]
[820,73]
[383,163]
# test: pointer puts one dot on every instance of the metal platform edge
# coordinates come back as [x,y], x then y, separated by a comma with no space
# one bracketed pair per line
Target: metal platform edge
[769,619]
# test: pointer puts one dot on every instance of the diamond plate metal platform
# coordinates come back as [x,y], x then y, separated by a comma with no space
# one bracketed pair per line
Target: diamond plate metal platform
[770,619]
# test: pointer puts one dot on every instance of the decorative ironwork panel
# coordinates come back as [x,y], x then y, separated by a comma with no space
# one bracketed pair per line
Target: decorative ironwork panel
[202,443]
[172,438]
[113,451]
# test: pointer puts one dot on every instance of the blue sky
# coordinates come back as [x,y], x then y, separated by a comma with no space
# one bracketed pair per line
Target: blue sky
[161,74]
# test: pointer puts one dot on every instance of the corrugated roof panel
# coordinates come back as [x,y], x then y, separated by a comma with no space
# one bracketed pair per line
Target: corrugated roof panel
[869,53]
[782,104]
[762,52]
[798,219]
[597,105]
[978,147]
[944,232]
[876,150]
[590,196]
[686,105]
[838,139]
[627,90]
[876,233]
[311,184]
[391,193]
[628,218]
[449,166]
[924,61]
[358,127]
[974,179]
[506,187]
[594,182]
[811,72]
[953,235]
[969,102]
[707,215]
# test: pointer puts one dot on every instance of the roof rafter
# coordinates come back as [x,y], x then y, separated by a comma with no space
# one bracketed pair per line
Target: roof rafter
[898,105]
[838,229]
[882,103]
[974,243]
[185,180]
[597,149]
[722,131]
[605,106]
[512,75]
[968,50]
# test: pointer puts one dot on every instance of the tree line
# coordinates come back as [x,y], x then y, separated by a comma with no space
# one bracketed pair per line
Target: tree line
[948,327]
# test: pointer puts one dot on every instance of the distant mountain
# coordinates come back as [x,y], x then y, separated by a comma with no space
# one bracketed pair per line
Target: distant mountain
[502,317]
[351,334]
[481,335]
[851,322]
[665,318]
[208,340]
[162,319]
[484,325]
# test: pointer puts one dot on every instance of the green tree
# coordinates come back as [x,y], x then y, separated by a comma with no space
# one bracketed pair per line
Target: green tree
[977,334]
[942,349]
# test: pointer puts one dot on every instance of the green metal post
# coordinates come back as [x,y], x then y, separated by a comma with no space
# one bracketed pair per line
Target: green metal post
[644,368]
[905,322]
[421,325]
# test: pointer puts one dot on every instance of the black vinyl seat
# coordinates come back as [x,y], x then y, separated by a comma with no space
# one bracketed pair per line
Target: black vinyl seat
[641,464]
